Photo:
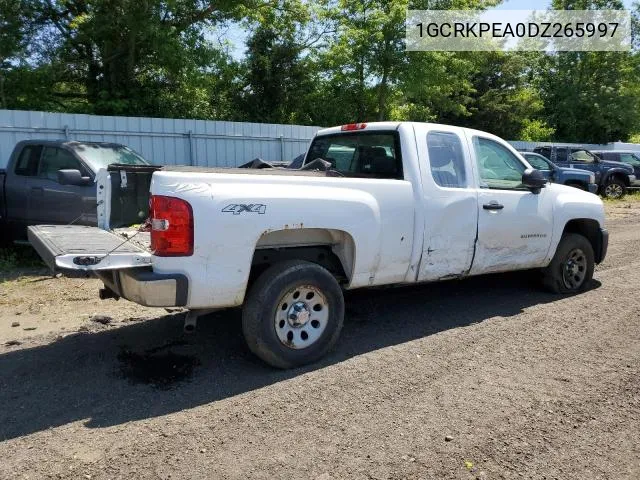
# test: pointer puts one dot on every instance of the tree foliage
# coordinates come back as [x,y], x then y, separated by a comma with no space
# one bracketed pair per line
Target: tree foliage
[320,63]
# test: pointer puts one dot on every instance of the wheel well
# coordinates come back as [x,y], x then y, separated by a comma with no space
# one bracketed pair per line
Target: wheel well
[619,176]
[588,228]
[322,255]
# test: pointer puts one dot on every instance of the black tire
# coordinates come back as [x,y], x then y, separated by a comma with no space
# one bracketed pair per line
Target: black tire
[263,303]
[614,188]
[556,279]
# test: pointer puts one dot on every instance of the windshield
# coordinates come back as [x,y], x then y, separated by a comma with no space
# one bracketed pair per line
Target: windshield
[630,158]
[536,161]
[101,156]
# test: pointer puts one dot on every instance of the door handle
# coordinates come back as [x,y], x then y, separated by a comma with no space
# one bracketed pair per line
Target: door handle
[37,190]
[493,206]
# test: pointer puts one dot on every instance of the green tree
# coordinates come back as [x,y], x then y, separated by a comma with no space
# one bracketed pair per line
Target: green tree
[15,32]
[131,56]
[279,76]
[590,96]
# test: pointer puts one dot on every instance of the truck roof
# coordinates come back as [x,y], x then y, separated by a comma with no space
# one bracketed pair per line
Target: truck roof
[71,143]
[386,126]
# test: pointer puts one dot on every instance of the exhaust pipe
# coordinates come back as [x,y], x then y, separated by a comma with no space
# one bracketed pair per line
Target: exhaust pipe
[106,292]
[190,322]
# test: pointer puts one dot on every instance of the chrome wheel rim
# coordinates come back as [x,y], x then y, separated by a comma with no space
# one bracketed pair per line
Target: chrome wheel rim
[613,190]
[574,269]
[301,317]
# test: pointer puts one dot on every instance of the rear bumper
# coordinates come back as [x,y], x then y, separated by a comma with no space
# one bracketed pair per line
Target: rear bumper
[593,188]
[601,250]
[145,287]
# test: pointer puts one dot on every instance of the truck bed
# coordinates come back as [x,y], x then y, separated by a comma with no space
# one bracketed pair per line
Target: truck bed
[249,171]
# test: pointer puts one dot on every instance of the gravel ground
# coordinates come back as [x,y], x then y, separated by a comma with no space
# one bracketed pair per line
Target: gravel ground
[484,378]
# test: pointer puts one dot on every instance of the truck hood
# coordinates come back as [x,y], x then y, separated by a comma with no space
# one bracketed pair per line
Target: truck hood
[574,170]
[620,165]
[583,204]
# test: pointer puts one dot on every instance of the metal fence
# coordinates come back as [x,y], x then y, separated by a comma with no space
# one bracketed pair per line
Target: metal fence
[166,141]
[162,141]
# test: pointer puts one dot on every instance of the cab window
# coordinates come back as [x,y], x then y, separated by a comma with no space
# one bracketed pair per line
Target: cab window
[561,154]
[375,155]
[630,158]
[582,156]
[27,165]
[54,159]
[446,159]
[499,168]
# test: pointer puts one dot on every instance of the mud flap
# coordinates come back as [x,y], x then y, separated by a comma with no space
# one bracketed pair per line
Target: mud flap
[81,248]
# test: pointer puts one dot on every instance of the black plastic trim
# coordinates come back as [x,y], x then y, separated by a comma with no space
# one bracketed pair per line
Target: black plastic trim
[604,245]
[182,282]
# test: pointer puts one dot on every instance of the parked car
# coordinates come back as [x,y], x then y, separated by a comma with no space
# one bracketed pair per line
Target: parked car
[628,157]
[572,177]
[398,203]
[613,178]
[52,182]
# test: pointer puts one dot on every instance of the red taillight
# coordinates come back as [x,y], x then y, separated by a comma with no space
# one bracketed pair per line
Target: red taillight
[353,126]
[171,227]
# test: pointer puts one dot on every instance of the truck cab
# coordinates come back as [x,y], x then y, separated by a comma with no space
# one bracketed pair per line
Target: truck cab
[623,156]
[613,178]
[53,182]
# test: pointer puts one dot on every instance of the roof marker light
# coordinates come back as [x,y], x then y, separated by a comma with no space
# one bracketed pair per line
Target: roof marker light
[353,126]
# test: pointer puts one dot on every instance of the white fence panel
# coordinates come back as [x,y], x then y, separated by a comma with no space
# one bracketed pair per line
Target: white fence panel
[163,141]
[167,141]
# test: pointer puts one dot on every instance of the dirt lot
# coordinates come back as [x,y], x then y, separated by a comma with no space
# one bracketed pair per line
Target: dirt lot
[485,378]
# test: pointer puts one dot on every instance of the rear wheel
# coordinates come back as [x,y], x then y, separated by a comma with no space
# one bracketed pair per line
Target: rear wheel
[571,269]
[293,314]
[615,188]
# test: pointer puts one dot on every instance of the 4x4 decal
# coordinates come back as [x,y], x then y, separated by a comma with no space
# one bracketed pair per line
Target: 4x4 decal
[238,208]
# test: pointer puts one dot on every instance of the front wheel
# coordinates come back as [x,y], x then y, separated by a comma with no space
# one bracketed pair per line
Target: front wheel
[615,188]
[571,269]
[293,314]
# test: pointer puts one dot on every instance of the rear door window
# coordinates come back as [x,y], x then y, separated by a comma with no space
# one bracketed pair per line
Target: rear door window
[28,161]
[446,159]
[375,155]
[561,154]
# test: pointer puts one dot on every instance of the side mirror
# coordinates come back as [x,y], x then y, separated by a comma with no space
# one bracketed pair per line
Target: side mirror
[72,177]
[533,179]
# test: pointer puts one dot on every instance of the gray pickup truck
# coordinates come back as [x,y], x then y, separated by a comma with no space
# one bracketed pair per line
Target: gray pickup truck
[52,182]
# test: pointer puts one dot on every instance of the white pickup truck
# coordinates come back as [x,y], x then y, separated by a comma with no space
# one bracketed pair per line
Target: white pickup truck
[389,203]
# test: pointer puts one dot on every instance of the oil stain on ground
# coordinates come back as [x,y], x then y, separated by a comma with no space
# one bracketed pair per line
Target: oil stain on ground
[159,367]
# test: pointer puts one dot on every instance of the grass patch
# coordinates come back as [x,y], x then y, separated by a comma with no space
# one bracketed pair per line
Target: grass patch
[631,196]
[18,258]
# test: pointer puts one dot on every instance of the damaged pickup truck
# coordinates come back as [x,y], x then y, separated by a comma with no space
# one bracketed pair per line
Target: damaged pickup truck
[374,204]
